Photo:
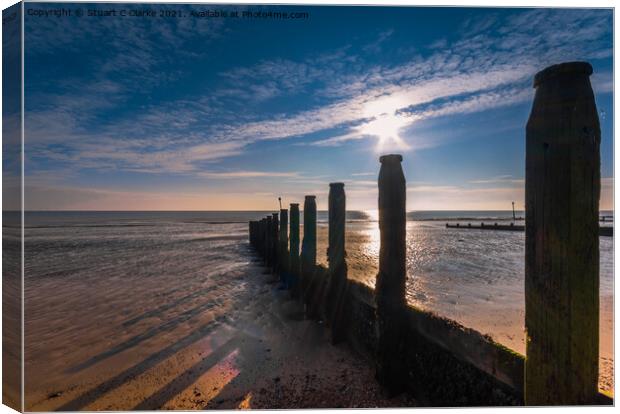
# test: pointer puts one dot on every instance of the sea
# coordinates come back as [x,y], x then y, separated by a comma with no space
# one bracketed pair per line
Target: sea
[474,277]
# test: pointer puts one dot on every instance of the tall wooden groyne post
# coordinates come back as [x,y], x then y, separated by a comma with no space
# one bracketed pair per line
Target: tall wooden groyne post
[262,237]
[283,249]
[308,254]
[337,263]
[294,250]
[268,241]
[275,242]
[562,188]
[391,279]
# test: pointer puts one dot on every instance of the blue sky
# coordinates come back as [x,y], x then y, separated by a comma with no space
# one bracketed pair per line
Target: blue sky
[218,114]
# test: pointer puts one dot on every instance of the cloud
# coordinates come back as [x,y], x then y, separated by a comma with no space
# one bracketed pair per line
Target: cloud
[490,66]
[375,46]
[247,174]
[508,179]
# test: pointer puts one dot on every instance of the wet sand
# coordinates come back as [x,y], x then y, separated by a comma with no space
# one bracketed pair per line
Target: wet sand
[229,340]
[504,323]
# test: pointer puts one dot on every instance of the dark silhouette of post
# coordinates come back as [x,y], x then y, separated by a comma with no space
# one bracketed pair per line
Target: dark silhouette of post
[263,223]
[308,255]
[337,263]
[294,250]
[275,244]
[283,239]
[268,241]
[514,217]
[562,188]
[391,279]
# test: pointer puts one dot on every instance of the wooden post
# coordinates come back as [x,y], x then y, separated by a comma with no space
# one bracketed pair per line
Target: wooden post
[275,244]
[562,188]
[261,249]
[337,264]
[391,280]
[255,234]
[294,250]
[268,236]
[284,259]
[308,255]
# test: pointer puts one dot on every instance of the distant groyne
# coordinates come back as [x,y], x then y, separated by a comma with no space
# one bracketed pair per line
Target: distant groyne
[602,231]
[439,361]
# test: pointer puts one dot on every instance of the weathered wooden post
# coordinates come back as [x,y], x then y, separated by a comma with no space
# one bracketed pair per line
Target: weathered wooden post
[391,280]
[308,255]
[284,259]
[294,250]
[337,263]
[562,188]
[268,235]
[250,230]
[261,248]
[275,244]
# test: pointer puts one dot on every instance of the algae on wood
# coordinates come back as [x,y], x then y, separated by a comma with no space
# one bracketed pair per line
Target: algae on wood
[562,188]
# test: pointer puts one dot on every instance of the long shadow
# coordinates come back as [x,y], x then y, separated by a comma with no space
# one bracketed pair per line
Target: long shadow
[188,377]
[132,372]
[233,393]
[135,340]
[168,306]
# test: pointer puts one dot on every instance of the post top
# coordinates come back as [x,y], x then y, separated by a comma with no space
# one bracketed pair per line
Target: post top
[283,210]
[336,184]
[391,158]
[573,68]
[294,205]
[274,214]
[310,197]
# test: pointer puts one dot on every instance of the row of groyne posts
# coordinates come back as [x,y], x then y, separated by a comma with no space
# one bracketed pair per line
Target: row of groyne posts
[562,189]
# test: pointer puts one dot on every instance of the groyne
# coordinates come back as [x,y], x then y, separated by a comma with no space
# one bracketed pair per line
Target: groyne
[602,231]
[440,362]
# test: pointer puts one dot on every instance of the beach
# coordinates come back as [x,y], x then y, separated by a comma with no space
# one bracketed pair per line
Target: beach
[186,321]
[172,310]
[475,277]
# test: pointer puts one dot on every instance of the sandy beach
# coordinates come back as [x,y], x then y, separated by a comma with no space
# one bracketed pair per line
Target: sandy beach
[172,311]
[471,303]
[229,339]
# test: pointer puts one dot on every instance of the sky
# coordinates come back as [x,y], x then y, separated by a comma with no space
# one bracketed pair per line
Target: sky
[194,113]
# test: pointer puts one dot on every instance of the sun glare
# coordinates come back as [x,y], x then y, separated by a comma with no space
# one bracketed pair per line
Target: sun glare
[386,128]
[386,124]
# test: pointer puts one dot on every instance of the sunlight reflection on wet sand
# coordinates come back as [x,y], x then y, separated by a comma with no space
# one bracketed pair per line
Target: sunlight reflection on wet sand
[474,277]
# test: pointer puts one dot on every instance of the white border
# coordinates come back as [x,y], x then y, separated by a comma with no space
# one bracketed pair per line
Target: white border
[446,3]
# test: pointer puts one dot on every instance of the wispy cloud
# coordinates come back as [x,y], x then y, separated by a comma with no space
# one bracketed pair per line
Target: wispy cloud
[508,179]
[247,174]
[94,123]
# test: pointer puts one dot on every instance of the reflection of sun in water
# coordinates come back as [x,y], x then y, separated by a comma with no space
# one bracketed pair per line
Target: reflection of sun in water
[386,124]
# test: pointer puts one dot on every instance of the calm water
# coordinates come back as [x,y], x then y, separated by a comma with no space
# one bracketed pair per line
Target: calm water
[472,276]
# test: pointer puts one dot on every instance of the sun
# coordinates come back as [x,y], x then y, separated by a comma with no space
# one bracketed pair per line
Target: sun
[386,123]
[386,127]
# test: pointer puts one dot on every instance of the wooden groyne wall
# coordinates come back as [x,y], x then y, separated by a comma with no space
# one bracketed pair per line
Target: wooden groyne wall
[602,231]
[438,360]
[441,362]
